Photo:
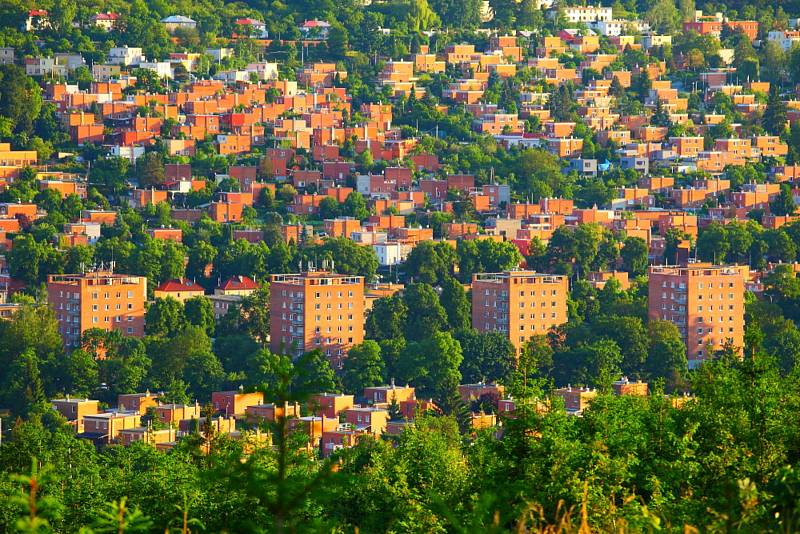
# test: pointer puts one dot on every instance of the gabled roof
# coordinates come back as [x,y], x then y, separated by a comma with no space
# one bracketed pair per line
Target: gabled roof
[180,284]
[316,24]
[239,283]
[177,19]
[106,16]
[248,21]
[38,13]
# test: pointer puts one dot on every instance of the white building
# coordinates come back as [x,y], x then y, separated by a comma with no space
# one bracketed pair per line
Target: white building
[163,69]
[105,21]
[391,253]
[587,14]
[59,65]
[264,71]
[787,39]
[219,53]
[125,56]
[615,28]
[131,153]
[6,56]
[315,29]
[178,22]
[251,27]
[650,40]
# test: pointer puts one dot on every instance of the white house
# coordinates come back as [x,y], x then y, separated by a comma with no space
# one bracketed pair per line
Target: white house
[219,53]
[587,14]
[163,69]
[264,71]
[131,153]
[391,253]
[125,55]
[650,40]
[251,27]
[59,65]
[315,29]
[178,22]
[105,21]
[615,28]
[38,19]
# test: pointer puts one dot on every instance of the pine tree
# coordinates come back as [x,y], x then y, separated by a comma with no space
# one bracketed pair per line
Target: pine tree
[774,120]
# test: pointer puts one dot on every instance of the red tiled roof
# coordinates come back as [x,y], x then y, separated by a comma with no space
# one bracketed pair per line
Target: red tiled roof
[239,283]
[37,13]
[315,24]
[180,284]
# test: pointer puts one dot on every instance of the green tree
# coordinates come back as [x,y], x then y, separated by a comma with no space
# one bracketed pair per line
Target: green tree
[663,16]
[432,365]
[33,327]
[784,204]
[165,317]
[355,206]
[666,356]
[346,255]
[20,98]
[22,385]
[110,174]
[713,244]
[314,374]
[458,13]
[150,170]
[186,356]
[455,303]
[486,256]
[635,256]
[596,364]
[124,363]
[81,373]
[774,120]
[387,318]
[363,367]
[338,41]
[430,262]
[118,517]
[329,208]
[630,335]
[428,315]
[200,312]
[252,316]
[488,356]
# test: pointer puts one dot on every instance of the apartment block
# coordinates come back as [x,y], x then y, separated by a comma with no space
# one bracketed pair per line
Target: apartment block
[316,310]
[235,402]
[519,304]
[98,299]
[75,409]
[705,302]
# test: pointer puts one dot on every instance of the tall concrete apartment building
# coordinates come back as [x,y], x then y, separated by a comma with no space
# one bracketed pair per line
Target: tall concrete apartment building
[99,299]
[705,302]
[519,304]
[316,310]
